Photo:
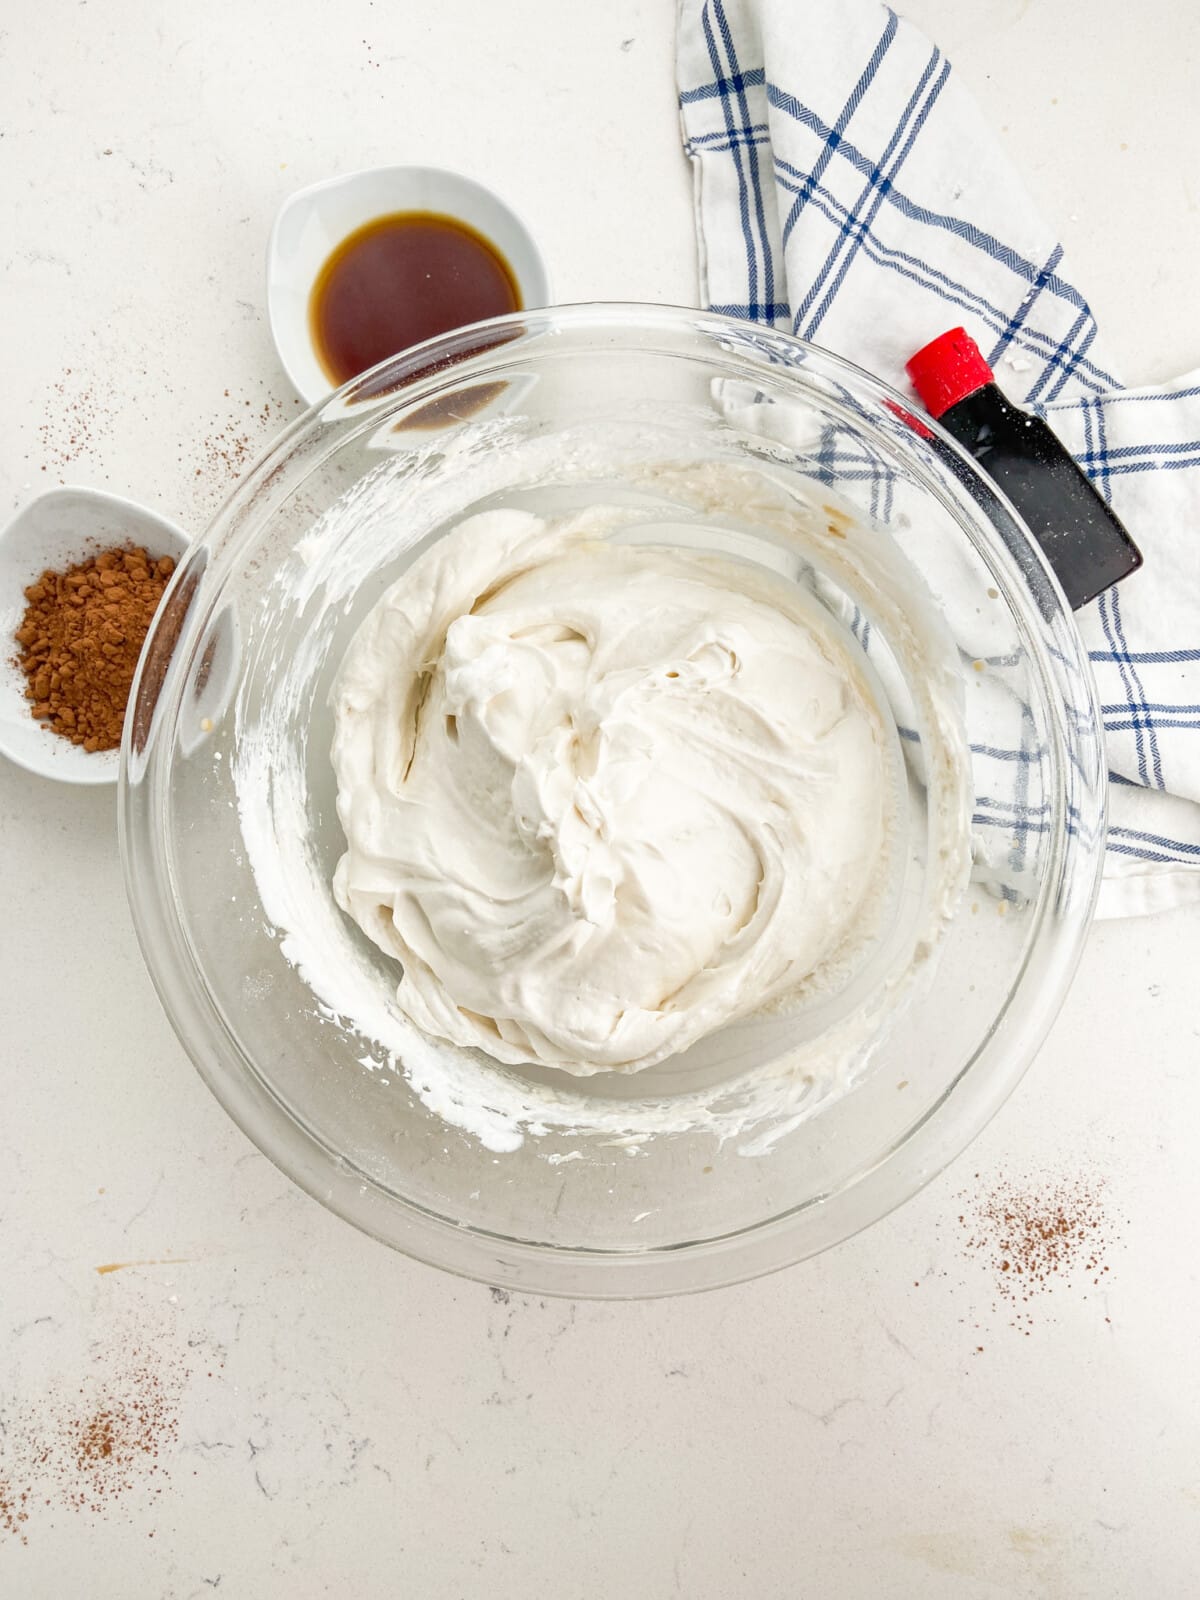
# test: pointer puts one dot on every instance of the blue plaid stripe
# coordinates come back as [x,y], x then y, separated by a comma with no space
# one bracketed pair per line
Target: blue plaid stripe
[1021,315]
[1154,658]
[1022,269]
[1098,463]
[834,136]
[1177,464]
[721,87]
[768,293]
[1147,738]
[751,236]
[1172,845]
[807,188]
[912,121]
[956,295]
[749,138]
[753,311]
[1065,359]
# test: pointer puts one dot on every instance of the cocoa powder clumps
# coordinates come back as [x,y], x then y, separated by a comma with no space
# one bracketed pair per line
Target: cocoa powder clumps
[80,639]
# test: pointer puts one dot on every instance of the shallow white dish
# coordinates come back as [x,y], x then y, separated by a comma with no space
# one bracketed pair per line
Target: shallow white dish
[314,221]
[58,528]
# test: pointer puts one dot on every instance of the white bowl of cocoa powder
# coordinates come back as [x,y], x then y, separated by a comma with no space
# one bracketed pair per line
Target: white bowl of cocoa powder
[81,574]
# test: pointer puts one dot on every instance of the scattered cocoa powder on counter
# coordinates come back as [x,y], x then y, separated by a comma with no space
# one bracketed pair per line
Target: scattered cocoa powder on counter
[116,1443]
[80,413]
[75,419]
[230,448]
[98,1441]
[1029,1235]
[1036,1235]
[12,1510]
[80,639]
[233,442]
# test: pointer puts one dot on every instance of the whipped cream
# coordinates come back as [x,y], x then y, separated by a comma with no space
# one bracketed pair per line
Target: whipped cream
[760,1078]
[601,799]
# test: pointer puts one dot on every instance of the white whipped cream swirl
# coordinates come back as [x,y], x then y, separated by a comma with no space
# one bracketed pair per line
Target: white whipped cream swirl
[600,799]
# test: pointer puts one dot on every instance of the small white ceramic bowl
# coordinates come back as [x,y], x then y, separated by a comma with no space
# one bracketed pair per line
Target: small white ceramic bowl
[57,529]
[314,221]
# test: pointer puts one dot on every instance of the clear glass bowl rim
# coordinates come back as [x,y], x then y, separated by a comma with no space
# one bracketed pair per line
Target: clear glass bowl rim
[978,1090]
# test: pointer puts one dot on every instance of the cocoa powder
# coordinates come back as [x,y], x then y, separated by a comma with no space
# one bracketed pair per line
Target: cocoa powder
[98,1439]
[79,415]
[12,1510]
[1030,1234]
[80,639]
[117,1444]
[1034,1236]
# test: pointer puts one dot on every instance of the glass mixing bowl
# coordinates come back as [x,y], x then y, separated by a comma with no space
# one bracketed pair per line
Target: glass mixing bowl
[254,628]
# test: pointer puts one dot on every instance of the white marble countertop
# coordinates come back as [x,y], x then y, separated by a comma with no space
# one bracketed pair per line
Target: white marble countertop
[332,1419]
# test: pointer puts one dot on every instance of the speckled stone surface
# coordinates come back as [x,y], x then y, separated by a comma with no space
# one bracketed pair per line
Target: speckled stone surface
[318,1416]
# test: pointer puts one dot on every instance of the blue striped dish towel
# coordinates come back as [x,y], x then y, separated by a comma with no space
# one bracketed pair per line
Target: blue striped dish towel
[849,191]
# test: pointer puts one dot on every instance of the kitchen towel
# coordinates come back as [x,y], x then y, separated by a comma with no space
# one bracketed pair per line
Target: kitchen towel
[848,190]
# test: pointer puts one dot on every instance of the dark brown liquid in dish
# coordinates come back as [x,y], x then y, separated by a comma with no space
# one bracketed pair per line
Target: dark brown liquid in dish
[400,279]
